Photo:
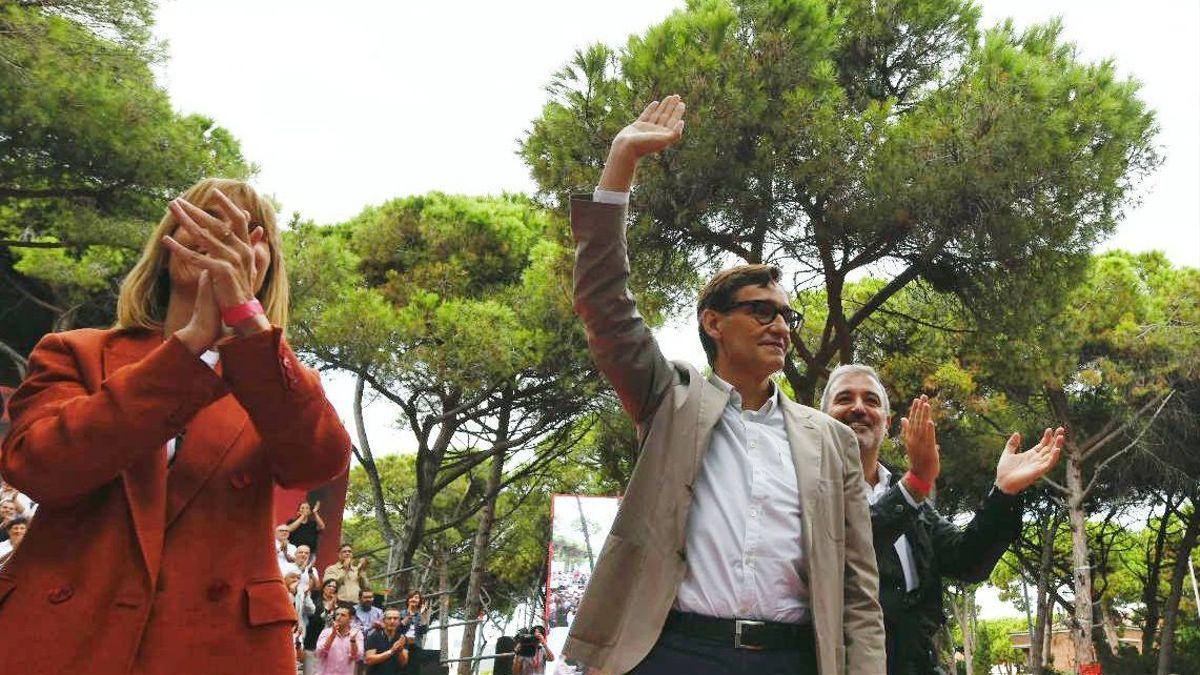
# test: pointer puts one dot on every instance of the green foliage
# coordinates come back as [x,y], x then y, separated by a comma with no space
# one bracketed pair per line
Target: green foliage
[90,150]
[460,290]
[833,137]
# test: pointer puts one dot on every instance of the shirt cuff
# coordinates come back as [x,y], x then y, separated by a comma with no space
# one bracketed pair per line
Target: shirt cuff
[907,497]
[610,197]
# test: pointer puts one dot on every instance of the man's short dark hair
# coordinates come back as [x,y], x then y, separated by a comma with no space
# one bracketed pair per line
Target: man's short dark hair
[719,293]
[345,544]
[18,520]
[364,590]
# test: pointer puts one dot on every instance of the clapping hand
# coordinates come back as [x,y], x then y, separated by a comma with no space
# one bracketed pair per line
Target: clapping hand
[1018,470]
[920,444]
[232,260]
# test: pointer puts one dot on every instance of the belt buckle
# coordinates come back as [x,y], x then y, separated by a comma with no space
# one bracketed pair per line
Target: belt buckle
[738,625]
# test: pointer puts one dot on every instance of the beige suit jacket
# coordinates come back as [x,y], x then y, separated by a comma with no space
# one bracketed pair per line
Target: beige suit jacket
[675,408]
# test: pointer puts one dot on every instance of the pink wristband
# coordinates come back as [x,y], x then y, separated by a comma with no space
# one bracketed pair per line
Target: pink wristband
[918,483]
[232,316]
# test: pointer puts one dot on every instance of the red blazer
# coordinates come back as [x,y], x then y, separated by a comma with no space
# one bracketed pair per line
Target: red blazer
[129,567]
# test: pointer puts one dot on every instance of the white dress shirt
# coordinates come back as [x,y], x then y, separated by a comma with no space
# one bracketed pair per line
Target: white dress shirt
[907,562]
[745,556]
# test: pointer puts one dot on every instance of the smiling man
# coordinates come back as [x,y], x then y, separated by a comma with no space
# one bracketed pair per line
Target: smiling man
[917,547]
[743,543]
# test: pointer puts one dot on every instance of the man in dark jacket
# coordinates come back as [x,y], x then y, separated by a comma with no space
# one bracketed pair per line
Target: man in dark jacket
[915,546]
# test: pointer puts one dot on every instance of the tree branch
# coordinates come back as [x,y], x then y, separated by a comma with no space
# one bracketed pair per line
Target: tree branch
[1109,460]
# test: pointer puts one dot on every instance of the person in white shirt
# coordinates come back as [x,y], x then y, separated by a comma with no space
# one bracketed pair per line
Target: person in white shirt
[310,579]
[285,551]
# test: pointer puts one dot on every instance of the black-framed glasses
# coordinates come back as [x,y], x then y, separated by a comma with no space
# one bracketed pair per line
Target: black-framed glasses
[765,311]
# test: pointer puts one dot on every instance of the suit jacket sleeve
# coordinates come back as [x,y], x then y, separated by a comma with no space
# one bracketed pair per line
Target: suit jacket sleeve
[304,440]
[970,554]
[67,442]
[620,342]
[862,614]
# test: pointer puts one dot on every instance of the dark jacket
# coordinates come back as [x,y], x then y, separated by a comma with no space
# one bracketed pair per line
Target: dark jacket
[941,550]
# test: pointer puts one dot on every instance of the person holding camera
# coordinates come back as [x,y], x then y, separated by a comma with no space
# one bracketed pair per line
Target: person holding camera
[532,652]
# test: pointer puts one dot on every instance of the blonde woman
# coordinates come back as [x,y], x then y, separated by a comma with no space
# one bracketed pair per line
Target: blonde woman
[152,449]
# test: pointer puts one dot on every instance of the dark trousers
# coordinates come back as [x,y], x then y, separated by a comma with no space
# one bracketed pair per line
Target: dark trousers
[675,654]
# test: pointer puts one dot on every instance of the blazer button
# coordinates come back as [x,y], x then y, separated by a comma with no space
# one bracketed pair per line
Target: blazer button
[60,594]
[899,508]
[682,554]
[162,585]
[217,590]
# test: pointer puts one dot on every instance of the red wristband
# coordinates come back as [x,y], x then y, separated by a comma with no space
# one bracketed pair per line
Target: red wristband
[232,316]
[919,484]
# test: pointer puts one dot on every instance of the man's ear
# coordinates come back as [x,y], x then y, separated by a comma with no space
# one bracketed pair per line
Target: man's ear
[710,321]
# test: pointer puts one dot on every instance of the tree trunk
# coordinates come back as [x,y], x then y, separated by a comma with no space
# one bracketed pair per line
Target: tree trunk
[366,460]
[483,536]
[1048,637]
[1166,653]
[1154,564]
[1109,627]
[1081,627]
[1042,626]
[965,614]
[444,600]
[587,536]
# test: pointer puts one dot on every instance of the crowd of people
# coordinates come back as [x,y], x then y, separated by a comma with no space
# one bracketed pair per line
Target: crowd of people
[566,592]
[16,510]
[341,628]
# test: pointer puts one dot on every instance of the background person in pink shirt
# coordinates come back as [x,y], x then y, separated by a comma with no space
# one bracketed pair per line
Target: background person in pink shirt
[340,646]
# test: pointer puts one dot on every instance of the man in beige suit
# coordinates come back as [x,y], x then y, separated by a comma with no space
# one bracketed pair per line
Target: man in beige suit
[743,543]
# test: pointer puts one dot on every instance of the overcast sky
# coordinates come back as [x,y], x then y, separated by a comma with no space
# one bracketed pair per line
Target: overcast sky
[348,104]
[351,104]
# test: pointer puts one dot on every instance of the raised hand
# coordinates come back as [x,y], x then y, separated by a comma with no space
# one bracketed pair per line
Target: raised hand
[1018,470]
[235,257]
[658,127]
[920,444]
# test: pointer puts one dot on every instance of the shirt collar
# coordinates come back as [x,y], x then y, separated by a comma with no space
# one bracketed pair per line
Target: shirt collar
[735,398]
[883,483]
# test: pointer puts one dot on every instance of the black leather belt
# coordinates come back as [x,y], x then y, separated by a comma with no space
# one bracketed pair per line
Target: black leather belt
[742,633]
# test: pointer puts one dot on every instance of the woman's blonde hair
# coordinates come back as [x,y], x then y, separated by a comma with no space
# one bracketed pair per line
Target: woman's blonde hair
[142,302]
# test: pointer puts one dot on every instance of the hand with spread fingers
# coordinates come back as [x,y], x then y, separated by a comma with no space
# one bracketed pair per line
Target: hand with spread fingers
[920,444]
[658,127]
[232,259]
[1018,470]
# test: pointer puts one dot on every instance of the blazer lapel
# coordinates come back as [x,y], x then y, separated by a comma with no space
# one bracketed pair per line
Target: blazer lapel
[208,438]
[144,480]
[805,441]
